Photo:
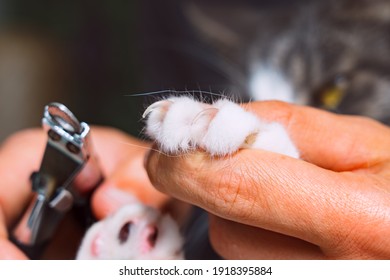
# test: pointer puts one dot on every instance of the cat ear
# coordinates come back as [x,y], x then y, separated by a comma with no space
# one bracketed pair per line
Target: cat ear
[226,26]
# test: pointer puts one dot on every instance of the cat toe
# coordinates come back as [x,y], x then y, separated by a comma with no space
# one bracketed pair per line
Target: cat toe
[177,124]
[231,129]
[155,114]
[181,124]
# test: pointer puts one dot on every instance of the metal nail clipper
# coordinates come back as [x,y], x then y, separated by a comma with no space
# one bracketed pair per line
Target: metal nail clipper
[68,175]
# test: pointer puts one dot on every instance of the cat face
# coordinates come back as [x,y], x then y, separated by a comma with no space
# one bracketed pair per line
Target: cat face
[329,54]
[134,232]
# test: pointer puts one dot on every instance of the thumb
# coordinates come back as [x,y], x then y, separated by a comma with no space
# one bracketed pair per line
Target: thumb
[8,251]
[128,183]
[282,194]
[332,141]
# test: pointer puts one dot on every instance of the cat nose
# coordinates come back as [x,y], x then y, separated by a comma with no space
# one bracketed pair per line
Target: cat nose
[149,238]
[152,236]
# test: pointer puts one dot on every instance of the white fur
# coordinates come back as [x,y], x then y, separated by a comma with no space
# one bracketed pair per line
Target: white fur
[179,131]
[180,124]
[101,240]
[220,129]
[229,129]
[268,84]
[274,138]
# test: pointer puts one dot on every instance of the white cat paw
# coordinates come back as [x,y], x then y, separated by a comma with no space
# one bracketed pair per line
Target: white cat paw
[181,124]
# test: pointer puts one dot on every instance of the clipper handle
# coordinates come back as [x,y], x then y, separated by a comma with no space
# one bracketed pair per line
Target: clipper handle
[68,175]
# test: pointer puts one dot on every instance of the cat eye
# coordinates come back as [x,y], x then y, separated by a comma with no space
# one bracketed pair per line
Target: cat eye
[124,232]
[331,94]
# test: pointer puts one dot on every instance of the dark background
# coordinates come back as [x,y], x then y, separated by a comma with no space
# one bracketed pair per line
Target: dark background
[91,56]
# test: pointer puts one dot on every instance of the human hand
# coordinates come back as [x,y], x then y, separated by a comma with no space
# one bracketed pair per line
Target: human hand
[333,204]
[121,159]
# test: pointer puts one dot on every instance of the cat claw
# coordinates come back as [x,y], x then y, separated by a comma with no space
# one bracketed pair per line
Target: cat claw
[182,124]
[157,105]
[211,112]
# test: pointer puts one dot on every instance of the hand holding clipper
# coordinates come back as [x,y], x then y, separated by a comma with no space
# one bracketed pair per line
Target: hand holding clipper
[68,175]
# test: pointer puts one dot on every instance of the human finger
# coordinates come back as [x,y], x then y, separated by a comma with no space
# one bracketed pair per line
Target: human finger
[129,183]
[22,153]
[8,251]
[120,157]
[19,156]
[332,141]
[233,240]
[280,194]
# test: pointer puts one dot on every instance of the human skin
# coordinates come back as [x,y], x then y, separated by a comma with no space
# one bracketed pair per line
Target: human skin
[121,159]
[334,203]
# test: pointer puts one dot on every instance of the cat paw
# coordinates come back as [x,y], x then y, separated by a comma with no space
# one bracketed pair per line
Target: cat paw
[182,124]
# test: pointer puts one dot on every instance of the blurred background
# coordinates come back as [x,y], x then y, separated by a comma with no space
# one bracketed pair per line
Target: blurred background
[91,56]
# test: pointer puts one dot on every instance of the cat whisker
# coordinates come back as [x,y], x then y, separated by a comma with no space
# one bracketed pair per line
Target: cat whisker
[171,91]
[150,93]
[149,148]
